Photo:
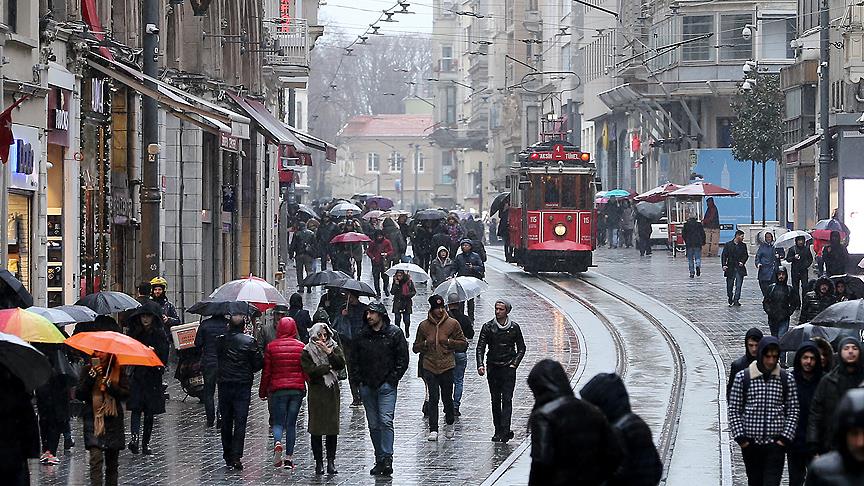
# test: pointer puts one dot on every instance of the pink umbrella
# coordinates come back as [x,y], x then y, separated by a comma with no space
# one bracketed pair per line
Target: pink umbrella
[350,237]
[703,189]
[657,194]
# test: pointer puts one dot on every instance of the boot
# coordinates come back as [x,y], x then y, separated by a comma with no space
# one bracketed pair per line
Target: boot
[133,444]
[331,466]
[146,450]
[319,466]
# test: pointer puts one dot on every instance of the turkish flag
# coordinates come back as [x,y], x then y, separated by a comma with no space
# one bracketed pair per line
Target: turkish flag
[6,137]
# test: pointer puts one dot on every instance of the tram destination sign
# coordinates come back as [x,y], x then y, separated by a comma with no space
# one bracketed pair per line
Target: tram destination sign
[560,153]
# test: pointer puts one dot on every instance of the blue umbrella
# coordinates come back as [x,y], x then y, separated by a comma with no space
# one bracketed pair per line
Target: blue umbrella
[617,193]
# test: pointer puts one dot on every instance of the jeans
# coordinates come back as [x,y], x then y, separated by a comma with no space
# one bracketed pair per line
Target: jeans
[613,237]
[234,408]
[440,385]
[380,405]
[379,276]
[799,282]
[405,318]
[778,329]
[135,424]
[284,408]
[50,430]
[210,375]
[459,377]
[797,462]
[735,279]
[110,460]
[764,464]
[502,381]
[694,258]
[301,263]
[318,449]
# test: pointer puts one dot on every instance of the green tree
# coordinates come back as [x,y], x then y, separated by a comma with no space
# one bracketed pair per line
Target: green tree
[757,133]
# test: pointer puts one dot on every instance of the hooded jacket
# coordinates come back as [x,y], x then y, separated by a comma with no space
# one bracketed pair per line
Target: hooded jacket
[641,465]
[693,233]
[766,256]
[571,440]
[145,382]
[303,243]
[815,301]
[436,340]
[744,361]
[835,256]
[300,316]
[781,300]
[394,234]
[806,389]
[205,339]
[840,468]
[767,410]
[801,264]
[402,302]
[820,428]
[469,264]
[440,270]
[282,370]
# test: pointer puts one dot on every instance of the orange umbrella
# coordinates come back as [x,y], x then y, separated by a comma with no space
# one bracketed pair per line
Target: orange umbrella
[129,351]
[29,326]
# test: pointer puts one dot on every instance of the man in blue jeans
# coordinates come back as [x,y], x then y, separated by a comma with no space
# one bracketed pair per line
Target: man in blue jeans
[380,359]
[733,259]
[455,310]
[694,238]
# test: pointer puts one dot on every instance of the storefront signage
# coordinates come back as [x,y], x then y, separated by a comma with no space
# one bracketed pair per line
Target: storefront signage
[23,157]
[97,100]
[58,116]
[229,143]
[61,119]
[284,15]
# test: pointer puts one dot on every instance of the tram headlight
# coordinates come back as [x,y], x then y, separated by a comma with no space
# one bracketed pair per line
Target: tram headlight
[560,230]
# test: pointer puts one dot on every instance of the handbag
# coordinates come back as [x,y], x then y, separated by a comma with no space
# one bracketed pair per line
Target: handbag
[342,325]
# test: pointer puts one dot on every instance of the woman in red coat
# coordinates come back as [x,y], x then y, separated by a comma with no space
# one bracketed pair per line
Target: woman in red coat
[283,384]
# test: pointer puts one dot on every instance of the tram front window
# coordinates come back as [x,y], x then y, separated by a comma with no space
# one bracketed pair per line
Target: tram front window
[551,191]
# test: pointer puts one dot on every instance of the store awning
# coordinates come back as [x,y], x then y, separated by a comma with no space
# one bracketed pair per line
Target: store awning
[275,130]
[316,143]
[803,144]
[178,100]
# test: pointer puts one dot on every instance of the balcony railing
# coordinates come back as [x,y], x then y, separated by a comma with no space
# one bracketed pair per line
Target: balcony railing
[291,44]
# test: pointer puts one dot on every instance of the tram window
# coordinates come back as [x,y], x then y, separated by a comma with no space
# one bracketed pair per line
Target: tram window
[574,192]
[551,191]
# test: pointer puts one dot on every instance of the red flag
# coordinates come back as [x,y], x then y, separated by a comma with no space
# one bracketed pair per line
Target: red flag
[6,137]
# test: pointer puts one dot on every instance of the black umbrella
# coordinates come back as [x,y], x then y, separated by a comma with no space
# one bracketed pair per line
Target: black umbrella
[12,292]
[804,332]
[108,302]
[848,315]
[854,285]
[307,210]
[498,202]
[324,277]
[652,211]
[430,215]
[352,285]
[224,308]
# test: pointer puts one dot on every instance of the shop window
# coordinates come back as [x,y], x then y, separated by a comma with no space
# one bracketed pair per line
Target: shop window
[18,227]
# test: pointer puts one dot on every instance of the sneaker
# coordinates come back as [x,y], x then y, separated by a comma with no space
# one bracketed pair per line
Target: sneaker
[736,304]
[432,437]
[691,275]
[289,464]
[698,271]
[52,460]
[496,437]
[277,454]
[449,431]
[44,457]
[356,403]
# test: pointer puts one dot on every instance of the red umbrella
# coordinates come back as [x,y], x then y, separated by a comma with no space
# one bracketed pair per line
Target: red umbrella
[703,189]
[657,194]
[350,237]
[824,234]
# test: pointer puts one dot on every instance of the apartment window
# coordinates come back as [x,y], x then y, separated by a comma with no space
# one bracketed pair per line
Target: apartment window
[419,162]
[531,5]
[724,132]
[695,26]
[532,119]
[450,105]
[448,162]
[12,15]
[395,162]
[777,33]
[809,14]
[733,46]
[566,64]
[373,162]
[447,63]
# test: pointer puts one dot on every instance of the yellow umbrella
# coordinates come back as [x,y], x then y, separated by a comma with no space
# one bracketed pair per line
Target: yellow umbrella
[29,326]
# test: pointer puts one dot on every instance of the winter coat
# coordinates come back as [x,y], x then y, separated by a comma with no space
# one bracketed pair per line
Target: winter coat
[643,227]
[379,357]
[421,242]
[282,370]
[353,324]
[735,258]
[19,429]
[394,235]
[206,338]
[612,211]
[627,218]
[840,467]
[332,302]
[377,248]
[766,256]
[303,243]
[145,382]
[806,390]
[114,436]
[436,340]
[504,224]
[169,311]
[780,302]
[441,238]
[456,233]
[506,346]
[711,219]
[799,265]
[561,425]
[836,257]
[469,265]
[301,317]
[323,236]
[744,361]
[693,233]
[402,302]
[439,270]
[641,465]
[815,302]
[832,387]
[323,402]
[239,357]
[767,410]
[465,322]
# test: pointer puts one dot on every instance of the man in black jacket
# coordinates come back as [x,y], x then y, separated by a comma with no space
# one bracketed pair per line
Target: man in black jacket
[801,259]
[571,441]
[302,250]
[780,302]
[206,341]
[733,260]
[844,466]
[751,345]
[835,256]
[380,359]
[641,464]
[238,358]
[469,263]
[506,350]
[808,372]
[694,239]
[817,300]
[848,374]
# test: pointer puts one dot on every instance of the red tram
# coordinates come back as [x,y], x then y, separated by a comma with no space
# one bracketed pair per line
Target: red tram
[552,217]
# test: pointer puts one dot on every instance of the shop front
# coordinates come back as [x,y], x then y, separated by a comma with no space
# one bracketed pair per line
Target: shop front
[58,217]
[24,156]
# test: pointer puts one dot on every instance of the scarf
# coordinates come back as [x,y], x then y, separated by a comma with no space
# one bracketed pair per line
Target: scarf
[319,357]
[504,326]
[104,405]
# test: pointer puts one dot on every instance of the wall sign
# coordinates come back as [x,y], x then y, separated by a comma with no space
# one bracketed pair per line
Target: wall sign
[229,143]
[58,116]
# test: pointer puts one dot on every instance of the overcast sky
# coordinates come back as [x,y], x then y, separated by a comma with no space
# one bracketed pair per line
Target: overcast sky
[354,16]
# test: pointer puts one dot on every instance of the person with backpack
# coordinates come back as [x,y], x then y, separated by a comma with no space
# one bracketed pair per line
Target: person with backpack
[780,302]
[763,414]
[846,375]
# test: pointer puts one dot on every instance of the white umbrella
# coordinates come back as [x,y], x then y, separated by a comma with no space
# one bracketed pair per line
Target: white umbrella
[460,289]
[53,314]
[415,271]
[343,209]
[253,290]
[787,240]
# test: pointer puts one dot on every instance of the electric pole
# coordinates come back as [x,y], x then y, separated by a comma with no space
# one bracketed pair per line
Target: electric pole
[823,189]
[151,196]
[417,156]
